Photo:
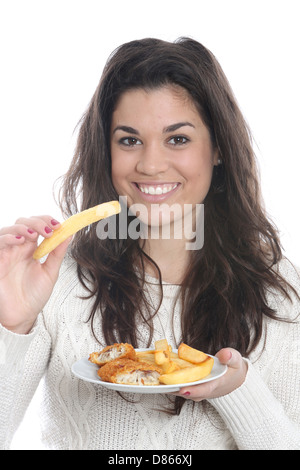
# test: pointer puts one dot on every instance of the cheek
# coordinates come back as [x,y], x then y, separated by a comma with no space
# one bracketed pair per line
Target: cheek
[199,177]
[122,166]
[114,171]
[198,169]
[117,171]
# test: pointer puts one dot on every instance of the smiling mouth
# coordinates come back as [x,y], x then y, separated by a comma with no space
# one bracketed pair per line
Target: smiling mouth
[156,189]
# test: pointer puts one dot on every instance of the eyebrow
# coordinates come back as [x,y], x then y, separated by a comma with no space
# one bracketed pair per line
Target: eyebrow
[171,128]
[128,129]
[174,127]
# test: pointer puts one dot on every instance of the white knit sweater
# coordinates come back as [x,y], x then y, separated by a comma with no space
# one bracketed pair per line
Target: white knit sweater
[264,413]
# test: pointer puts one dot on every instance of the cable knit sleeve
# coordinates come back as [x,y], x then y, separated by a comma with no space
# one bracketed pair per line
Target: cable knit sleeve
[23,360]
[257,419]
[264,413]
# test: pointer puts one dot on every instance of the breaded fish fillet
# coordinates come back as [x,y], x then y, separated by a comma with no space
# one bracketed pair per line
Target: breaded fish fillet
[129,372]
[112,352]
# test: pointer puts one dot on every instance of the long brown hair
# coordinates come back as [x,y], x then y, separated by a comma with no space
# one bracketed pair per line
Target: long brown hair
[228,279]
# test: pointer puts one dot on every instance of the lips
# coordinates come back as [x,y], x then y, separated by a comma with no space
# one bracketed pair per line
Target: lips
[156,189]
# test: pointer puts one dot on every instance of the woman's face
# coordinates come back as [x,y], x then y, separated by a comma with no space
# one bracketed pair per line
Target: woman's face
[161,150]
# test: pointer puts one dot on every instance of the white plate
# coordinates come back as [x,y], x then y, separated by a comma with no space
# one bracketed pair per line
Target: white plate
[87,371]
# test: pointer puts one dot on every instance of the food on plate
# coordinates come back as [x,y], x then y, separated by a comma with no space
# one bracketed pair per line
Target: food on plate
[169,367]
[126,371]
[149,356]
[181,362]
[146,356]
[162,352]
[188,374]
[190,354]
[75,223]
[120,363]
[112,352]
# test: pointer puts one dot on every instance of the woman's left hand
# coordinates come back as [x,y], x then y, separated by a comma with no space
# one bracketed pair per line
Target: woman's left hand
[234,378]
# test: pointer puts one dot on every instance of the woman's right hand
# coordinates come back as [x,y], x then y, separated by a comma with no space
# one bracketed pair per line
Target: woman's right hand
[25,283]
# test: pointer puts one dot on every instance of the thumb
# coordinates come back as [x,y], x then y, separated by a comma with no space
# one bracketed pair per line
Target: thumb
[55,258]
[231,357]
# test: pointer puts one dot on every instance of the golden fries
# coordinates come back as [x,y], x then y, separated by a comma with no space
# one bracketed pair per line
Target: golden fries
[161,344]
[190,354]
[181,362]
[74,224]
[145,356]
[188,374]
[186,365]
[169,367]
[162,352]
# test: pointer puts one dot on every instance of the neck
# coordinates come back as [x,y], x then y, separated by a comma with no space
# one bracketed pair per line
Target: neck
[171,257]
[168,245]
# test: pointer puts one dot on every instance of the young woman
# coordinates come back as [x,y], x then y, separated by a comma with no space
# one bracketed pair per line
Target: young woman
[163,127]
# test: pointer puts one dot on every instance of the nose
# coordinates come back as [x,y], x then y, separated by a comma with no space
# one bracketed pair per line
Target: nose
[152,161]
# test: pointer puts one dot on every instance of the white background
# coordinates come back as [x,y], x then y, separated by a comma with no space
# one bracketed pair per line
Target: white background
[52,55]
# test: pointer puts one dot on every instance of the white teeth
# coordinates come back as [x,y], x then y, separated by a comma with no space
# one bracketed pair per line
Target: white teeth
[157,190]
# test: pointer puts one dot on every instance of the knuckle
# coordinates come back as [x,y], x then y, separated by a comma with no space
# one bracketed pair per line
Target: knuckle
[19,220]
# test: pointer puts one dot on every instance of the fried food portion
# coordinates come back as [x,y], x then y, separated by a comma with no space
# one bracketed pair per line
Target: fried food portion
[190,354]
[75,223]
[146,356]
[121,364]
[186,365]
[181,362]
[112,352]
[188,374]
[129,372]
[162,352]
[174,363]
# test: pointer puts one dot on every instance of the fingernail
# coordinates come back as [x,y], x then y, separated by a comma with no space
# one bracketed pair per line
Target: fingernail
[54,222]
[18,237]
[30,231]
[48,230]
[187,394]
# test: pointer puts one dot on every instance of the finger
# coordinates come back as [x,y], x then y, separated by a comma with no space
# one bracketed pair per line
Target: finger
[8,240]
[20,230]
[43,225]
[48,219]
[197,392]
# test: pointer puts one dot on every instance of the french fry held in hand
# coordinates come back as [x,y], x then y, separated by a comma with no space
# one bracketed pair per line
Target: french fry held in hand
[188,374]
[75,223]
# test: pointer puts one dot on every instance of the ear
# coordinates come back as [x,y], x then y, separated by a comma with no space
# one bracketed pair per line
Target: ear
[216,158]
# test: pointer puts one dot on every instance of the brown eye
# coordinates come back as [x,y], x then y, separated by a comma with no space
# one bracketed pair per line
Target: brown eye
[130,141]
[178,140]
